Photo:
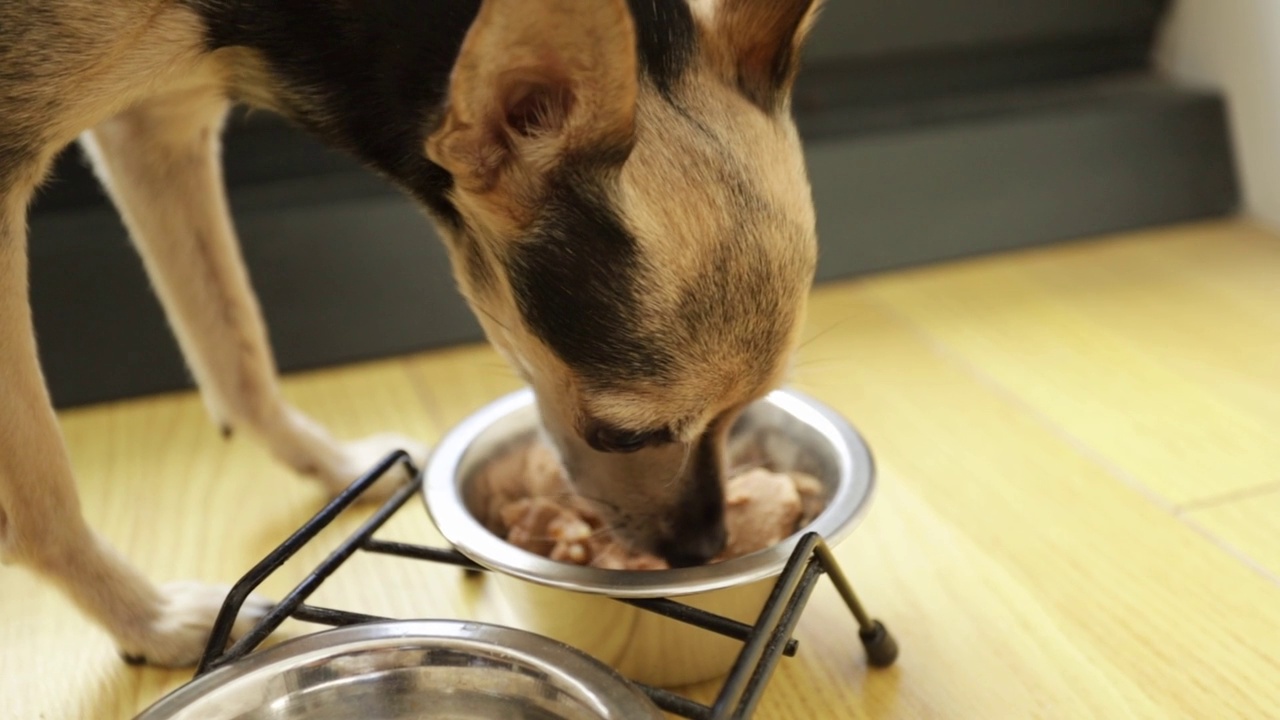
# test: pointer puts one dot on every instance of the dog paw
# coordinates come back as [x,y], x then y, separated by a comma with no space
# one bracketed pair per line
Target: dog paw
[360,456]
[179,632]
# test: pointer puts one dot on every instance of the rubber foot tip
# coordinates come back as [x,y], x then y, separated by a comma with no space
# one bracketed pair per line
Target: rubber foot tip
[882,649]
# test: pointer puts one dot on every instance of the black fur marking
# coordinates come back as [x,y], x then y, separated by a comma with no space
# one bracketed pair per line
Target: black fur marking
[577,281]
[365,77]
[666,40]
[370,76]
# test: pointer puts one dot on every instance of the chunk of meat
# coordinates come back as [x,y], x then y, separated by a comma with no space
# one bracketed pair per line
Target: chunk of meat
[761,508]
[813,496]
[528,471]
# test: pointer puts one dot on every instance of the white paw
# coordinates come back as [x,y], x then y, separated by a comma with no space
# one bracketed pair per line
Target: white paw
[177,636]
[359,457]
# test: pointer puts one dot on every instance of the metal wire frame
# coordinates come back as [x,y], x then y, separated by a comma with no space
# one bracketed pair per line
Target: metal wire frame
[764,643]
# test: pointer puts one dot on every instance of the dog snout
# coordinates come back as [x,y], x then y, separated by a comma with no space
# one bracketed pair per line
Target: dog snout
[659,501]
[695,543]
[697,528]
[661,496]
[693,551]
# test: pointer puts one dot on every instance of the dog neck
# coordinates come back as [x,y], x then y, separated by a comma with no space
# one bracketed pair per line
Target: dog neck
[371,78]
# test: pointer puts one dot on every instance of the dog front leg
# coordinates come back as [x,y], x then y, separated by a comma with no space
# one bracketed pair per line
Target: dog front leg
[41,525]
[160,164]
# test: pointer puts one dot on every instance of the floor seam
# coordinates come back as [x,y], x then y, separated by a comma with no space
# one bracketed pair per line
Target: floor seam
[1216,501]
[1230,549]
[1084,449]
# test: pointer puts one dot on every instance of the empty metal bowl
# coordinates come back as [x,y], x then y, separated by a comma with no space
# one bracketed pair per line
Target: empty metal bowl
[414,670]
[787,430]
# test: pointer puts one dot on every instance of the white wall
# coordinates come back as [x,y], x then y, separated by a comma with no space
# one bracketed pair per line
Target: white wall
[1234,45]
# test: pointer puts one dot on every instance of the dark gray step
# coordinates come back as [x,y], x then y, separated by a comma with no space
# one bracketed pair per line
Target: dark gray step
[876,29]
[347,269]
[906,184]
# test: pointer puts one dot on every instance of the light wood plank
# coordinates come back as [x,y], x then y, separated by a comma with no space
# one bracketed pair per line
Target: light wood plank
[976,642]
[1167,379]
[1235,259]
[1137,590]
[1185,308]
[455,383]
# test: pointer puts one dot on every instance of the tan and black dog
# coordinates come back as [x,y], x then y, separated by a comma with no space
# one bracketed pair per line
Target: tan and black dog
[620,184]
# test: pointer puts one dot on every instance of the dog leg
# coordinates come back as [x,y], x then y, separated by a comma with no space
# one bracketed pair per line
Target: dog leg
[41,525]
[160,163]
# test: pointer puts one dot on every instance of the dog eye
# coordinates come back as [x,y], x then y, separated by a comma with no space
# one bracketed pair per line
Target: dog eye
[616,440]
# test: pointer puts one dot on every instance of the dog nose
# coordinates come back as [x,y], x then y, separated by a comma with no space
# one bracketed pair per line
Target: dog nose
[696,531]
[694,547]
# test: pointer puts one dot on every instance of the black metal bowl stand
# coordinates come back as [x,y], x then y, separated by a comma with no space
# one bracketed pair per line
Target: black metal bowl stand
[763,643]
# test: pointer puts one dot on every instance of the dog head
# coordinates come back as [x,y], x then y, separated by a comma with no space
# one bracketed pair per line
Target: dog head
[635,232]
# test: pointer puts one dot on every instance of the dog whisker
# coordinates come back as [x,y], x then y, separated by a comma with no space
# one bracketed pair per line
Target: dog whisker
[819,362]
[596,533]
[679,473]
[485,311]
[571,496]
[807,341]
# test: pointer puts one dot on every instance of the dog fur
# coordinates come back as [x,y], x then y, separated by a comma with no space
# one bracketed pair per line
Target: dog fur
[620,186]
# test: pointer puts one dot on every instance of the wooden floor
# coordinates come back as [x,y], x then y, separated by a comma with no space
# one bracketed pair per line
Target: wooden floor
[1079,514]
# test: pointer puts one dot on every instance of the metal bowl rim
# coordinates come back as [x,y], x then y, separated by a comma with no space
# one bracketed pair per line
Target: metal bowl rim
[440,491]
[619,696]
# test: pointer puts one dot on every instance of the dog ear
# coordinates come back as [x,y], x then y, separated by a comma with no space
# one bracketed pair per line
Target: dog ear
[764,39]
[535,80]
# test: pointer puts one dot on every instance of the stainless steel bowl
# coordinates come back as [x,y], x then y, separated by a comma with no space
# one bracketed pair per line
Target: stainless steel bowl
[419,670]
[562,601]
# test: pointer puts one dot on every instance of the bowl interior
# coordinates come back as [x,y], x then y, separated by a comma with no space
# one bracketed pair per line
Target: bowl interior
[765,436]
[786,431]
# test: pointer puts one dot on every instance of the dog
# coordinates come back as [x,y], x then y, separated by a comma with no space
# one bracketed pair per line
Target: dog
[619,183]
